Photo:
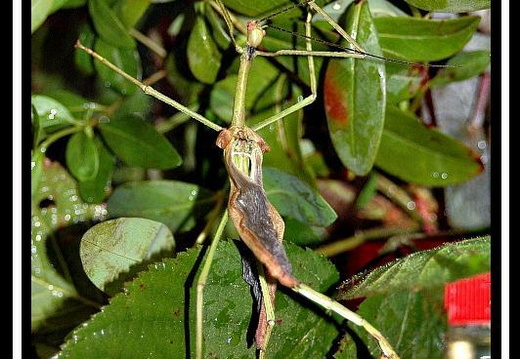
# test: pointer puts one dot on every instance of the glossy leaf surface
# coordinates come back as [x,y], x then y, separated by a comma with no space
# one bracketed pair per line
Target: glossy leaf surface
[139,144]
[173,203]
[109,249]
[157,311]
[425,156]
[354,97]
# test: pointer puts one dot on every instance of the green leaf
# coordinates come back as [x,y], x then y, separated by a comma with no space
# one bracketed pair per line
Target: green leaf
[450,5]
[302,234]
[138,144]
[415,39]
[82,60]
[126,59]
[95,190]
[82,156]
[109,249]
[403,82]
[260,7]
[423,270]
[130,11]
[77,105]
[109,26]
[466,65]
[52,115]
[55,301]
[259,92]
[204,58]
[174,203]
[40,9]
[424,156]
[156,314]
[402,294]
[400,317]
[295,199]
[354,97]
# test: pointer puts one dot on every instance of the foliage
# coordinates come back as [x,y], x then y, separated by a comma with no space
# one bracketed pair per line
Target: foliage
[122,185]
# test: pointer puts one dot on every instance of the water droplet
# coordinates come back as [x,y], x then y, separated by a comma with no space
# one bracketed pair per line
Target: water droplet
[435,174]
[392,189]
[300,98]
[52,114]
[57,293]
[336,6]
[444,175]
[481,144]
[67,217]
[104,119]
[50,287]
[411,205]
[193,195]
[484,158]
[228,340]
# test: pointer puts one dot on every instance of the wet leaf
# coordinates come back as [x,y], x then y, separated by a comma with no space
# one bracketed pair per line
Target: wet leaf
[109,26]
[109,249]
[401,294]
[82,156]
[297,200]
[400,316]
[156,314]
[52,115]
[354,97]
[138,144]
[415,39]
[425,156]
[450,5]
[55,301]
[204,58]
[174,203]
[424,269]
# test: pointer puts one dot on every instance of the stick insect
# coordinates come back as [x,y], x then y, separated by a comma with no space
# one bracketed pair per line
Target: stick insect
[256,220]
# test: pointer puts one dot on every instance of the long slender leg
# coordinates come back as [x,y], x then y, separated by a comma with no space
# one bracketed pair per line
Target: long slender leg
[360,53]
[346,313]
[309,99]
[201,283]
[267,316]
[149,90]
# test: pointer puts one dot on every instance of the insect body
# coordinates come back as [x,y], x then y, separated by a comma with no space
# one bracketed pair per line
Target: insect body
[256,220]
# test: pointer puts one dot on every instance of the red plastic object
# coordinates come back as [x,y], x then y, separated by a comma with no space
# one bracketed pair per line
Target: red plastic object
[468,301]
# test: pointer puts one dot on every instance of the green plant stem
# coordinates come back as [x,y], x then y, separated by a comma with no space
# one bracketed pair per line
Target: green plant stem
[57,135]
[399,196]
[201,283]
[347,244]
